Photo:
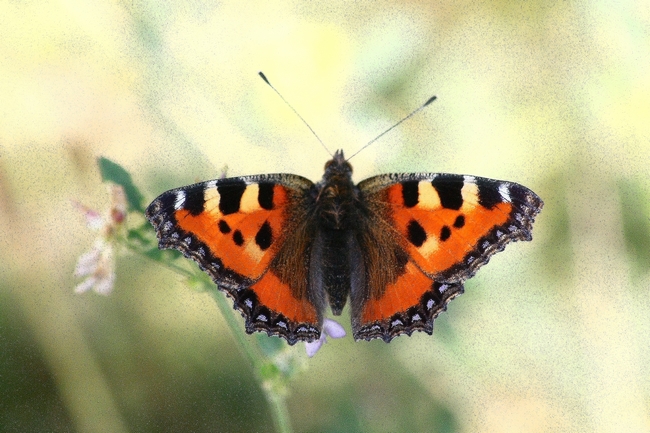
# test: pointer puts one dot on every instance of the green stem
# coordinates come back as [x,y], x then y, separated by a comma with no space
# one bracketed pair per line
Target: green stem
[251,352]
[279,411]
[277,401]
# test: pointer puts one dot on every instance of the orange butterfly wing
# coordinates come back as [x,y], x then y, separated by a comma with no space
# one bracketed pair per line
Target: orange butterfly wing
[448,226]
[235,229]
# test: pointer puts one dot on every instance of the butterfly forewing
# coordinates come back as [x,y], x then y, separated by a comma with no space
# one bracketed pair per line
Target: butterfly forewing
[449,221]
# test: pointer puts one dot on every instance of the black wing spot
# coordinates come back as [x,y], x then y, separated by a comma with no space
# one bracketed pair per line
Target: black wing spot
[224,227]
[445,233]
[230,197]
[238,238]
[264,236]
[194,199]
[449,190]
[410,193]
[265,195]
[460,221]
[416,234]
[488,195]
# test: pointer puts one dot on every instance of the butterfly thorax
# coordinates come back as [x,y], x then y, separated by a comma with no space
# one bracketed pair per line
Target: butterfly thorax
[336,195]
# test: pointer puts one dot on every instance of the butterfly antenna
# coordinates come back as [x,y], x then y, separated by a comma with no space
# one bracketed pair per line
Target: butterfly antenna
[430,100]
[266,80]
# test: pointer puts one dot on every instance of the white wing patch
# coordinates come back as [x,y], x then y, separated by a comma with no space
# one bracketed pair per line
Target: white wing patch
[180,200]
[505,193]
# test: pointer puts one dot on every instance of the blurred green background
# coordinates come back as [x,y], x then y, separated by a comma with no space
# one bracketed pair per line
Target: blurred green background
[552,335]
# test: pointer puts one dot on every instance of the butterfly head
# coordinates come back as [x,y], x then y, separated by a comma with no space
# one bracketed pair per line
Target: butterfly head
[338,166]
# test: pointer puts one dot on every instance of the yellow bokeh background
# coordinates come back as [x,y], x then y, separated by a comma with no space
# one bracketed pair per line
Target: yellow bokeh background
[552,335]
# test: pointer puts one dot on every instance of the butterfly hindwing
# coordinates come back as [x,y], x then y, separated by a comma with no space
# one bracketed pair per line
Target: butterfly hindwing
[447,226]
[241,231]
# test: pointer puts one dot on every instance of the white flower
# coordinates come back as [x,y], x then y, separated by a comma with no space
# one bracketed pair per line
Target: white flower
[331,328]
[98,264]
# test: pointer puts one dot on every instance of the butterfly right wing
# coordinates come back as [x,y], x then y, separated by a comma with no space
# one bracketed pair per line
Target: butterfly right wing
[250,235]
[425,234]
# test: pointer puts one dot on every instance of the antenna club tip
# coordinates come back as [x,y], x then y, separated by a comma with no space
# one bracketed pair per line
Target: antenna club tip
[430,100]
[261,74]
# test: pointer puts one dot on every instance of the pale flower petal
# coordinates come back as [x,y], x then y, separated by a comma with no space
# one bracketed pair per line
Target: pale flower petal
[85,285]
[332,329]
[313,347]
[94,220]
[98,264]
[105,285]
[87,263]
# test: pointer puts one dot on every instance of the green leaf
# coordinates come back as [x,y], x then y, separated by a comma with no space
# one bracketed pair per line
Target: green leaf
[269,371]
[113,172]
[163,255]
[137,235]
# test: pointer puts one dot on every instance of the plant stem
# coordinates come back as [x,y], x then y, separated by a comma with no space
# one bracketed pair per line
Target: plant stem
[277,401]
[245,342]
[279,411]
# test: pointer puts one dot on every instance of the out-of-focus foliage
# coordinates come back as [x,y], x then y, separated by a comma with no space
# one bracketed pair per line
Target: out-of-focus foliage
[552,335]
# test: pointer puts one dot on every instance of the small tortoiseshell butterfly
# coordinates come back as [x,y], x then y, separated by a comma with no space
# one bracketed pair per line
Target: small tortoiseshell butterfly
[400,246]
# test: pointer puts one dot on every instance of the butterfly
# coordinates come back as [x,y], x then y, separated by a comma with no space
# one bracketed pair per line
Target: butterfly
[398,246]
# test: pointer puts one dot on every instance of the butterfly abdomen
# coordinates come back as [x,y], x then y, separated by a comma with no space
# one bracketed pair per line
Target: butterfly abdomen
[335,268]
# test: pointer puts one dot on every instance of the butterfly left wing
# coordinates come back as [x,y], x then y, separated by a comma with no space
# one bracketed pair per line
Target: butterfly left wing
[250,236]
[438,230]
